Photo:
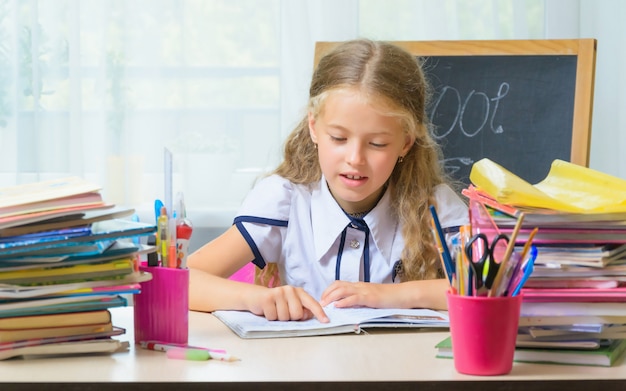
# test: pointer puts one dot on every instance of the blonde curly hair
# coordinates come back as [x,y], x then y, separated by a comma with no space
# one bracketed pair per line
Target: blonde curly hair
[393,79]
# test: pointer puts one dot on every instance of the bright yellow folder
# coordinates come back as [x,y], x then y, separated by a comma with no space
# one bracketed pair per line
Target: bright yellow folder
[567,187]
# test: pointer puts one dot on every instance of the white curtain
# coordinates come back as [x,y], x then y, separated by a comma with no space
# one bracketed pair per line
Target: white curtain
[99,88]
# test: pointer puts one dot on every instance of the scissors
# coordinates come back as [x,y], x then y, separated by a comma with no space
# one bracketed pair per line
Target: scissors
[482,282]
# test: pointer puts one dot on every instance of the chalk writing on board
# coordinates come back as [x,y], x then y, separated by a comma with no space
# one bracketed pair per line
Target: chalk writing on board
[516,110]
[487,109]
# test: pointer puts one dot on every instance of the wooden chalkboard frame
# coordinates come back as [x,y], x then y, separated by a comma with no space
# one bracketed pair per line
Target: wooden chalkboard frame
[584,49]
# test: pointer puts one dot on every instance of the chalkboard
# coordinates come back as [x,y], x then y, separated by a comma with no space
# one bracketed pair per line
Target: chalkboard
[521,104]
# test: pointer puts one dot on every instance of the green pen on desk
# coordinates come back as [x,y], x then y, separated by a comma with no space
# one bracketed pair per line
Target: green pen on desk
[197,354]
[188,354]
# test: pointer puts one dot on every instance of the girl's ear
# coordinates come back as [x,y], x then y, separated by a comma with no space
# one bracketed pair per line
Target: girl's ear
[408,143]
[312,132]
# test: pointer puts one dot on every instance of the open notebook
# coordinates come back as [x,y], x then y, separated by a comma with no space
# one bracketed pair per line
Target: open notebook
[342,320]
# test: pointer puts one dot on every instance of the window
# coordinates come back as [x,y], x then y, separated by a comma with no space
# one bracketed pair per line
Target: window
[98,88]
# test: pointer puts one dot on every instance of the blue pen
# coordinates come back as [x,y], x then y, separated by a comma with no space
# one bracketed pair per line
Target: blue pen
[158,204]
[445,251]
[528,270]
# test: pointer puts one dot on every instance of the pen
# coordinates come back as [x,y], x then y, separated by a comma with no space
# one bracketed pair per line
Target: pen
[512,268]
[158,204]
[188,354]
[528,270]
[440,239]
[516,274]
[216,354]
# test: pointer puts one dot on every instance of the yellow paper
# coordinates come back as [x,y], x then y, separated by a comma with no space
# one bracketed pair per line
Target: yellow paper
[567,187]
[587,189]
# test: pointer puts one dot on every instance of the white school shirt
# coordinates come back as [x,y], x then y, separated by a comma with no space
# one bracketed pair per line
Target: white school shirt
[302,229]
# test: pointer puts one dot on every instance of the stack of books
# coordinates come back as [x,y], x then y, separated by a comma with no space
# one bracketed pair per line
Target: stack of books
[574,303]
[66,258]
[604,355]
[581,257]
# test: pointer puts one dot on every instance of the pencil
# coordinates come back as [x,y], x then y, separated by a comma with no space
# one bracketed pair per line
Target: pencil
[529,242]
[466,279]
[507,256]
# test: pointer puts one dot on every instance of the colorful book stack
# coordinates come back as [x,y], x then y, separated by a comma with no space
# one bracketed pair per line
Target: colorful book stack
[575,299]
[66,257]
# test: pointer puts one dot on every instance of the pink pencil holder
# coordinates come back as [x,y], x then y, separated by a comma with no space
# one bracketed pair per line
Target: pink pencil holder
[483,332]
[162,307]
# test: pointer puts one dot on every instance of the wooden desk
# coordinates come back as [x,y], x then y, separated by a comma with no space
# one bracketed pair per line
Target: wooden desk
[383,360]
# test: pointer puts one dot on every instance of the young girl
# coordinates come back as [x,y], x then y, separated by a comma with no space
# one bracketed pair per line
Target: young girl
[345,217]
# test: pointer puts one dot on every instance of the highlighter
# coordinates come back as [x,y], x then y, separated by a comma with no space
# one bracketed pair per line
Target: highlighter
[188,354]
[172,259]
[163,236]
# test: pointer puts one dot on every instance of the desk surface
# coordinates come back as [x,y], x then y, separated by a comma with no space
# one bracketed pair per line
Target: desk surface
[363,361]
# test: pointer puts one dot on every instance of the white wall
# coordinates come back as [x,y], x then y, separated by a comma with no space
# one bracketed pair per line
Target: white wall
[605,21]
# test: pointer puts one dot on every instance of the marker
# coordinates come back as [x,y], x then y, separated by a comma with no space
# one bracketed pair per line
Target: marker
[158,204]
[188,354]
[172,259]
[163,236]
[215,354]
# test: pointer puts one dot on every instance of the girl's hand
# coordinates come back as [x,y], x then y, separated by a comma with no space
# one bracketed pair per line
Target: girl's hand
[287,303]
[357,294]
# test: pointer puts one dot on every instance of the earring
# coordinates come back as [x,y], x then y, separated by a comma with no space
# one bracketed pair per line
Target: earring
[400,159]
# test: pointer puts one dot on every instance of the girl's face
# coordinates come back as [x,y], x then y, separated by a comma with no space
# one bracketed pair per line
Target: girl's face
[358,148]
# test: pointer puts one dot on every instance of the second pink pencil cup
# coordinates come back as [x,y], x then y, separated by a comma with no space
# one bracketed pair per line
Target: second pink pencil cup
[162,308]
[483,332]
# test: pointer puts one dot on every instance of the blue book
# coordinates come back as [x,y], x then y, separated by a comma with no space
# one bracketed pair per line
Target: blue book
[103,234]
[47,236]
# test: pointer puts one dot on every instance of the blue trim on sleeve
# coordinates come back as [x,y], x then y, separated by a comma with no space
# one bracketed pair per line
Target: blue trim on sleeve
[239,220]
[258,259]
[260,220]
